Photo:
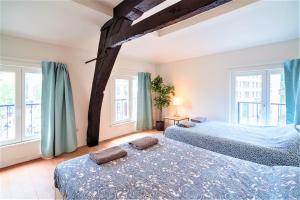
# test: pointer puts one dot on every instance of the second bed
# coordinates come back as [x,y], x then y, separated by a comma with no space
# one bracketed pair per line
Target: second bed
[265,145]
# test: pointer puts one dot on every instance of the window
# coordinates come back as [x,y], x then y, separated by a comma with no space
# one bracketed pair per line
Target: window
[124,99]
[20,104]
[258,97]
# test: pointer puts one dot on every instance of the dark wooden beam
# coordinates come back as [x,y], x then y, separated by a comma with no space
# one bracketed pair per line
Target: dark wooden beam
[102,73]
[133,9]
[171,15]
[119,30]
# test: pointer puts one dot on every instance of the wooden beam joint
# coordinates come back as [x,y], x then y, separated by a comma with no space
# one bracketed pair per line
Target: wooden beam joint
[180,11]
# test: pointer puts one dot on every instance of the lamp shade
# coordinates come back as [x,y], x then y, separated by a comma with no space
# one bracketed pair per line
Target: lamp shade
[176,101]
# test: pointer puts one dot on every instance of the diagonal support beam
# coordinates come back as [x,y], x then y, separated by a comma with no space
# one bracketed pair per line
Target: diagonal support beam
[102,73]
[171,15]
[119,30]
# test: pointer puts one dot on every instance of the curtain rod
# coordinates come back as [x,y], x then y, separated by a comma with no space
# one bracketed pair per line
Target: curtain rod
[97,58]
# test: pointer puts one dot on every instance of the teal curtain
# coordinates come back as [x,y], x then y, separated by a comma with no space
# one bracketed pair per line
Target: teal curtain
[292,91]
[58,132]
[144,102]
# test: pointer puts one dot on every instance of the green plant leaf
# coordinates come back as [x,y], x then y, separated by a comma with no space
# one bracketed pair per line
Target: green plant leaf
[163,93]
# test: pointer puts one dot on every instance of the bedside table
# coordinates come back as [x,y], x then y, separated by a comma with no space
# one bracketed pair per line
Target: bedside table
[176,119]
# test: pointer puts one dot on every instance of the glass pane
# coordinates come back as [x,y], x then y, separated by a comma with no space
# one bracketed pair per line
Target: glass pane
[248,95]
[33,84]
[122,99]
[277,99]
[7,106]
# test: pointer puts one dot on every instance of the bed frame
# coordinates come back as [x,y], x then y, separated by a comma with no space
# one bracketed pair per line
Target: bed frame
[57,195]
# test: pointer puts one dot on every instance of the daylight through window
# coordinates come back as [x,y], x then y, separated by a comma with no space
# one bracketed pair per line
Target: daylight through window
[20,104]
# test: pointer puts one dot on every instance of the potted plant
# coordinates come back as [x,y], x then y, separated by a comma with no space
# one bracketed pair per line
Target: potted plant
[162,99]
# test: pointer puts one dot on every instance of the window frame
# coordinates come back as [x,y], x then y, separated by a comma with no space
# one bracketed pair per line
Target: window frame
[234,109]
[24,71]
[259,70]
[130,119]
[268,91]
[19,102]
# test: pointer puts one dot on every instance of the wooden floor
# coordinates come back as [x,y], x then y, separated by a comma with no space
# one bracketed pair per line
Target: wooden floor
[34,179]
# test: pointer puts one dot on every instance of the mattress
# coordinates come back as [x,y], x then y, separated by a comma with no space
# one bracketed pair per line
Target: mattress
[175,170]
[264,145]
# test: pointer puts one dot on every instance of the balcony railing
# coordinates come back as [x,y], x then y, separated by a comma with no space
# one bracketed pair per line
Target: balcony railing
[33,122]
[121,109]
[280,109]
[254,113]
[7,120]
[8,117]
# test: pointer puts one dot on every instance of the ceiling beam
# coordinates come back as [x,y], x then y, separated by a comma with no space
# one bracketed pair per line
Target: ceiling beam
[171,15]
[133,9]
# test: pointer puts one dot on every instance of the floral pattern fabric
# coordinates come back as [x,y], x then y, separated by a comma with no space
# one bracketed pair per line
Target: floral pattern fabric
[264,145]
[174,170]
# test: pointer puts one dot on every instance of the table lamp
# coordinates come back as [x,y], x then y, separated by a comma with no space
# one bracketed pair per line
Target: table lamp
[176,103]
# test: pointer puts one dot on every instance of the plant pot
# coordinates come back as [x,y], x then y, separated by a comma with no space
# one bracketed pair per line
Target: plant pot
[160,125]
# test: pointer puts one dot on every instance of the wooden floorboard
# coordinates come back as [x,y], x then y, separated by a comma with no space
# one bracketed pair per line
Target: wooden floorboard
[34,179]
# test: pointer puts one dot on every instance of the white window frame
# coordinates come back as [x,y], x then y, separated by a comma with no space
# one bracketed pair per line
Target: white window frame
[32,71]
[18,105]
[19,102]
[260,70]
[130,119]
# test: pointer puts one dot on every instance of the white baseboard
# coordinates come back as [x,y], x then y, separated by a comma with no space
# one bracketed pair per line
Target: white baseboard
[19,160]
[20,152]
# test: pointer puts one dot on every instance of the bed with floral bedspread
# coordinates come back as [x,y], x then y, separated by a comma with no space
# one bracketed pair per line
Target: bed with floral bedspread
[264,145]
[175,170]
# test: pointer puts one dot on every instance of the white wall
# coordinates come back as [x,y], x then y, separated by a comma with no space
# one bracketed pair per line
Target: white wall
[203,83]
[27,52]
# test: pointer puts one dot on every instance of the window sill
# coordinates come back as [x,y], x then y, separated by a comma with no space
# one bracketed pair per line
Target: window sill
[20,143]
[122,123]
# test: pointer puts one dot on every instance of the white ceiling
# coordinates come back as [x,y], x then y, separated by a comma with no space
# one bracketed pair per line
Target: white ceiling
[70,23]
[257,24]
[60,22]
[110,3]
